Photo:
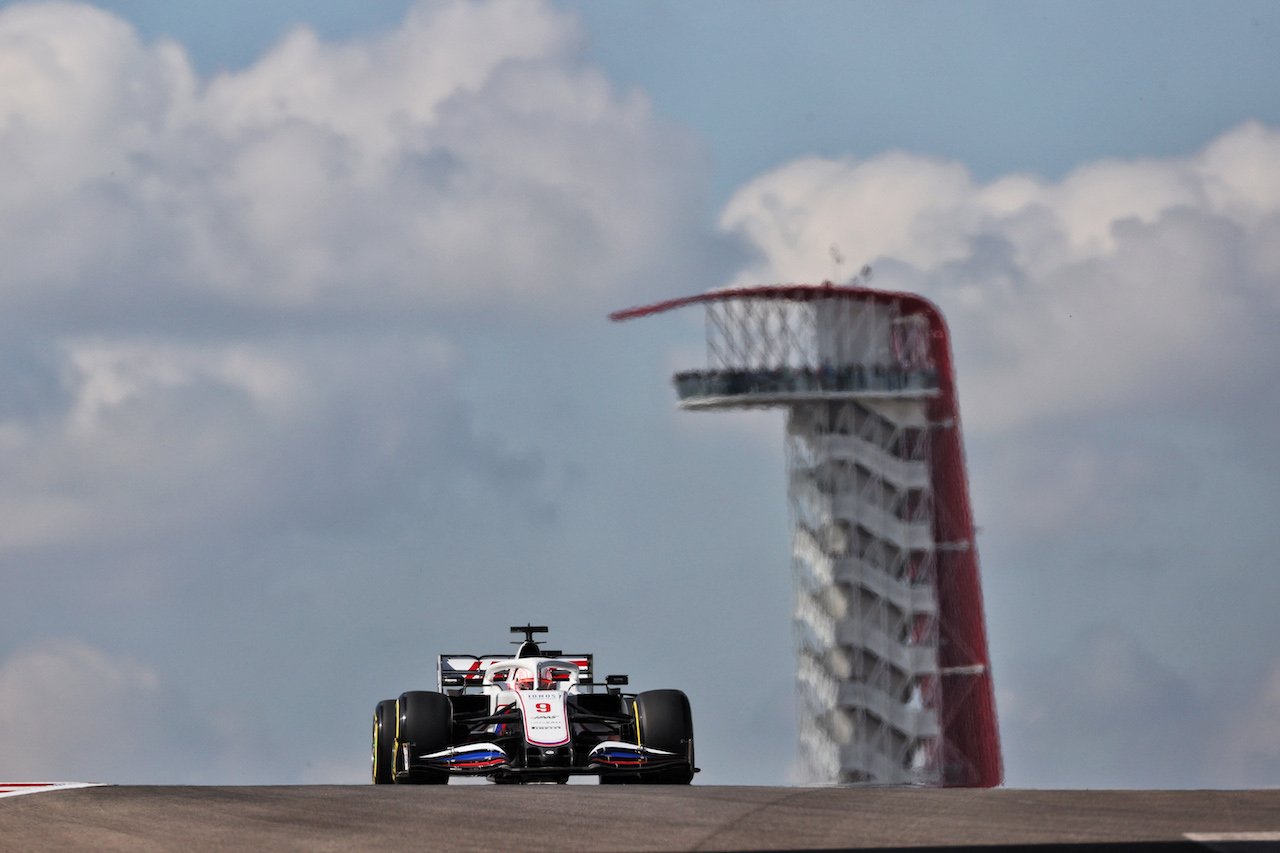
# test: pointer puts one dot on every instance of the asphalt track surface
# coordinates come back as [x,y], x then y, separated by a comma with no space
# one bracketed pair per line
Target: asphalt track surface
[593,818]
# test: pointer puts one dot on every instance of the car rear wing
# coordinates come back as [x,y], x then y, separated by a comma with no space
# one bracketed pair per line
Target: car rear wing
[463,671]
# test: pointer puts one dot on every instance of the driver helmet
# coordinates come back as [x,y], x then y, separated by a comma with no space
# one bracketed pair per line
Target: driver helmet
[526,679]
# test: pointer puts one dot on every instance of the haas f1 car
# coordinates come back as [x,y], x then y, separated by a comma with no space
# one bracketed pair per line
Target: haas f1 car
[534,717]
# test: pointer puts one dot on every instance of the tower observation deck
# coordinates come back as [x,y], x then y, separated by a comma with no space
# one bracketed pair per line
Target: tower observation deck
[892,669]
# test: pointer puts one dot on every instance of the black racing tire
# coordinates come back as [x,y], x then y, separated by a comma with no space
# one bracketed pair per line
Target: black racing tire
[425,721]
[665,721]
[384,742]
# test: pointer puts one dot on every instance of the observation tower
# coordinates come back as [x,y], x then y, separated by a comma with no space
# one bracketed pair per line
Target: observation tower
[892,671]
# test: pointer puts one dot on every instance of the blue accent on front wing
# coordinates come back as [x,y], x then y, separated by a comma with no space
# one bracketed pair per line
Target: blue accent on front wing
[619,754]
[618,757]
[470,759]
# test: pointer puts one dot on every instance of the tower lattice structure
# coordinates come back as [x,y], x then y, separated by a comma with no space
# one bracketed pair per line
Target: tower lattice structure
[892,673]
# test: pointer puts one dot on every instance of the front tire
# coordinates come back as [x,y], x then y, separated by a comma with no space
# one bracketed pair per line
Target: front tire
[665,721]
[384,742]
[424,724]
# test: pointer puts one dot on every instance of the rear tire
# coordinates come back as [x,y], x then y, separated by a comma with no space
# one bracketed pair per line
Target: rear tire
[384,742]
[665,721]
[425,722]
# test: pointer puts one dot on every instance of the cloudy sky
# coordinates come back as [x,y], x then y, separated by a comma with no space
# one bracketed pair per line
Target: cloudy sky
[305,375]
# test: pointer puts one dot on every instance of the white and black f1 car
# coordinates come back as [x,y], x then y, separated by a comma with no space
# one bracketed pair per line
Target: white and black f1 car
[534,717]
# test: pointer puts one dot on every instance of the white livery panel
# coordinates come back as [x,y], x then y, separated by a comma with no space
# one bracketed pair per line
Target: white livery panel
[546,720]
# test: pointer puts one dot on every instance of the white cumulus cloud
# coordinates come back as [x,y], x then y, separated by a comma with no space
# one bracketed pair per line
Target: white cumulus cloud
[1123,280]
[238,302]
[1106,713]
[467,157]
[1247,750]
[71,711]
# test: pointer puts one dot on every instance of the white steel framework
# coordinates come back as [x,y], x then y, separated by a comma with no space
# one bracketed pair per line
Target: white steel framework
[858,374]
